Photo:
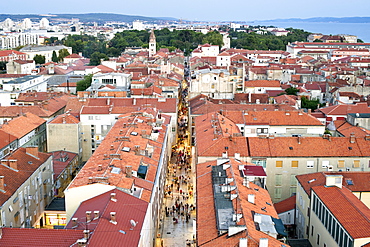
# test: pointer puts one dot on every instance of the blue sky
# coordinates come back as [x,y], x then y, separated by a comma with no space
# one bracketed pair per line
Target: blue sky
[237,10]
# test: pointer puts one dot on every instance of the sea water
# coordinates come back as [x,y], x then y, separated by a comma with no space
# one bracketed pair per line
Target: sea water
[361,30]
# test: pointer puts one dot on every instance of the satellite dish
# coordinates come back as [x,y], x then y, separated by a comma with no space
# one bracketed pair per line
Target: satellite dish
[133,224]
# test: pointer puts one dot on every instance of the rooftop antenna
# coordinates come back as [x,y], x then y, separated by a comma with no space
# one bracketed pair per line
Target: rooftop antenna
[133,224]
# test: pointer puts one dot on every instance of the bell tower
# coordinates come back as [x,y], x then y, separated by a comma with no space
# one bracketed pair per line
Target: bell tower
[152,44]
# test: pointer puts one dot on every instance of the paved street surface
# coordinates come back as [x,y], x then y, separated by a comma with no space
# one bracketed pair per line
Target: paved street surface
[178,211]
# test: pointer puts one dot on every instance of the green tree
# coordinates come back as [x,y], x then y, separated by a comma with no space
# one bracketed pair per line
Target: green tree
[310,104]
[54,57]
[213,38]
[291,91]
[62,54]
[39,59]
[95,58]
[84,83]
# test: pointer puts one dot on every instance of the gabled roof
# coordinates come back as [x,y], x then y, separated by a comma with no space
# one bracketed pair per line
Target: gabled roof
[308,147]
[61,159]
[27,163]
[345,109]
[104,232]
[6,139]
[340,201]
[64,119]
[285,205]
[358,179]
[35,237]
[22,125]
[207,230]
[262,83]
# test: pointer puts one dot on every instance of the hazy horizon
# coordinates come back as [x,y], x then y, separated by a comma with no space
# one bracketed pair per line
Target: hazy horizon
[205,10]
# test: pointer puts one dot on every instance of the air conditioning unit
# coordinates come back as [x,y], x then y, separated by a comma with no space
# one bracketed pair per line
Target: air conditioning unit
[330,168]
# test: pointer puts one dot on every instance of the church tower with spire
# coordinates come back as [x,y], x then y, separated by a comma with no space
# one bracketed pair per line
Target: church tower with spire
[152,44]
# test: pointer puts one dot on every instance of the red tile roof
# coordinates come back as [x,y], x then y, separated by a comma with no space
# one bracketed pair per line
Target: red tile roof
[61,159]
[345,109]
[6,139]
[262,83]
[308,147]
[27,163]
[34,237]
[207,232]
[285,205]
[104,233]
[64,119]
[342,201]
[23,125]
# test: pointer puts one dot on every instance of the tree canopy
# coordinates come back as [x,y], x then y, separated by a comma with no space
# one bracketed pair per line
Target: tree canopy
[84,83]
[39,59]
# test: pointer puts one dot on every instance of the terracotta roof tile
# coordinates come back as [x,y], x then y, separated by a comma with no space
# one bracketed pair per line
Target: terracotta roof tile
[22,125]
[34,237]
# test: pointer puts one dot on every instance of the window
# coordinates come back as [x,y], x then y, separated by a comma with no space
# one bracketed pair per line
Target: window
[318,239]
[278,179]
[91,118]
[310,163]
[279,163]
[293,181]
[356,163]
[295,164]
[293,191]
[262,130]
[325,163]
[312,229]
[277,192]
[259,162]
[340,163]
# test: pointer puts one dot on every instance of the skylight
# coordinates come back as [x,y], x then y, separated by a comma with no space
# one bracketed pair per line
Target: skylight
[116,170]
[126,149]
[134,133]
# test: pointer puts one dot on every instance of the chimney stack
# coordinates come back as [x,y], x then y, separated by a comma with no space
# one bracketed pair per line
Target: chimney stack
[4,162]
[113,197]
[251,198]
[96,215]
[86,234]
[82,242]
[100,167]
[32,151]
[113,218]
[264,242]
[88,216]
[2,185]
[128,171]
[13,164]
[352,138]
[74,222]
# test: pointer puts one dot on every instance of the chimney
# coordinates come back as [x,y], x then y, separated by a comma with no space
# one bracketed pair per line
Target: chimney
[113,218]
[90,180]
[13,164]
[309,111]
[74,222]
[134,101]
[86,234]
[2,185]
[64,119]
[100,167]
[88,216]
[96,215]
[113,197]
[1,232]
[251,198]
[33,151]
[299,139]
[352,138]
[82,242]
[264,242]
[128,171]
[108,101]
[4,162]
[243,242]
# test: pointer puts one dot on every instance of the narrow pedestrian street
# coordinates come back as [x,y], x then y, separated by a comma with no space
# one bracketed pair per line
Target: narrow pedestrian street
[178,217]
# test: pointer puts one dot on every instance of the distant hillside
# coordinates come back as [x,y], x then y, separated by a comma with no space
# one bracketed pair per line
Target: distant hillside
[325,19]
[90,17]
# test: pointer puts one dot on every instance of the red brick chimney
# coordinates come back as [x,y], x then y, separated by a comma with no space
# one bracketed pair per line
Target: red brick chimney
[2,187]
[32,151]
[352,138]
[13,164]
